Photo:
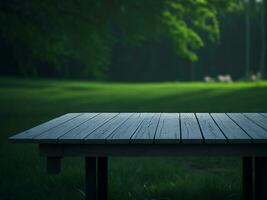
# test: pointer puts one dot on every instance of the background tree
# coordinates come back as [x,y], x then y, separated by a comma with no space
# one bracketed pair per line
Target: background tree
[82,33]
[248,7]
[264,39]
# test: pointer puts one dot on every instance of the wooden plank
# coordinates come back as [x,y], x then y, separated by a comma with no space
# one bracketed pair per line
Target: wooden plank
[145,133]
[168,130]
[77,135]
[190,130]
[53,134]
[230,129]
[126,130]
[100,134]
[210,131]
[258,119]
[28,135]
[253,130]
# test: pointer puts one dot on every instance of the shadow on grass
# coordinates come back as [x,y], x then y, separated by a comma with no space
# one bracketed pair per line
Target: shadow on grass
[205,100]
[242,100]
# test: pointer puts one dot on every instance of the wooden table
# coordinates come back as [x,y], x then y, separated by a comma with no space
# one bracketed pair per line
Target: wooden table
[97,136]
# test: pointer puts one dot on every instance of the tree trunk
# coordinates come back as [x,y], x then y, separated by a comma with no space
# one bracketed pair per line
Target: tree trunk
[192,72]
[247,13]
[264,40]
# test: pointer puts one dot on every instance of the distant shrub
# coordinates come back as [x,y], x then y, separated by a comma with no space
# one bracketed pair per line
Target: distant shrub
[224,78]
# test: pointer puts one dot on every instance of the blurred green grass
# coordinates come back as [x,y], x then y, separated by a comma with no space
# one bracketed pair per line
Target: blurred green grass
[26,103]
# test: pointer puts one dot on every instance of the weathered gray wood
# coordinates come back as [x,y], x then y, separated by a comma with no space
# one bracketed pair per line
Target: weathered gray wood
[127,129]
[80,132]
[190,130]
[253,130]
[28,135]
[100,134]
[53,134]
[149,128]
[258,119]
[145,133]
[168,130]
[154,134]
[230,129]
[210,130]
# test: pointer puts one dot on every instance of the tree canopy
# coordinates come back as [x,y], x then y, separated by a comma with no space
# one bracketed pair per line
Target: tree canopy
[56,31]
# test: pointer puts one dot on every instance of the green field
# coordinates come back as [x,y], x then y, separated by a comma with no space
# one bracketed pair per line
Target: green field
[25,103]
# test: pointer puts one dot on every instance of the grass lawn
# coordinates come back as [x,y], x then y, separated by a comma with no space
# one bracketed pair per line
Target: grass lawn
[25,103]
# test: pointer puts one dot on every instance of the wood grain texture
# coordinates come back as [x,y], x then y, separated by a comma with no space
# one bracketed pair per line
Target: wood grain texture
[38,130]
[145,133]
[100,134]
[210,130]
[230,129]
[257,133]
[80,132]
[149,128]
[190,130]
[168,130]
[127,129]
[53,134]
[258,119]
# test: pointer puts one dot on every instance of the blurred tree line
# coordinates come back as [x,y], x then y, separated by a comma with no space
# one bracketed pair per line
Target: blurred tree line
[128,40]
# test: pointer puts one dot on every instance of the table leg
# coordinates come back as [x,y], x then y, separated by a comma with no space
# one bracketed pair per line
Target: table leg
[247,178]
[260,178]
[102,178]
[90,178]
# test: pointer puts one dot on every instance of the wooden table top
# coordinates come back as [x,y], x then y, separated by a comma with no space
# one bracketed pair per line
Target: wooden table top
[149,128]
